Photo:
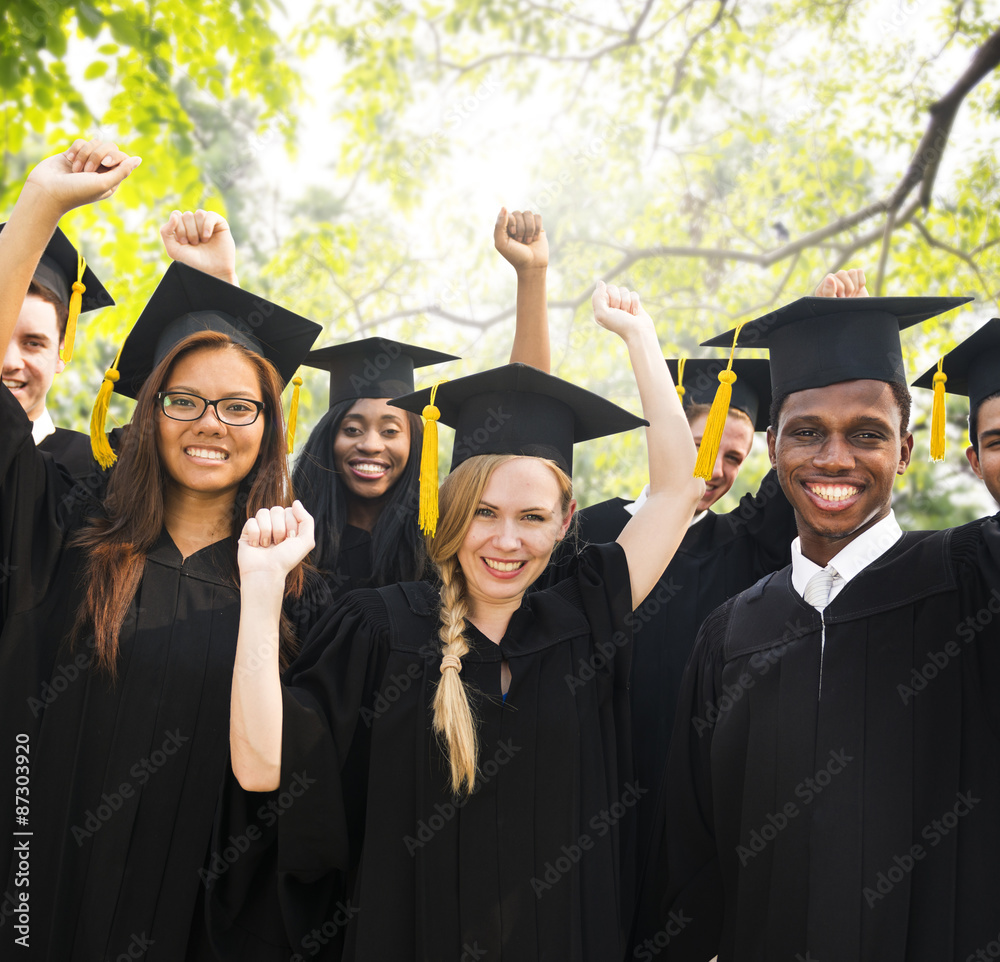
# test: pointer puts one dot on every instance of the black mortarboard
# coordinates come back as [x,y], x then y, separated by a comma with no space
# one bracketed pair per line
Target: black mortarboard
[187,301]
[375,367]
[57,270]
[972,368]
[517,409]
[816,341]
[751,391]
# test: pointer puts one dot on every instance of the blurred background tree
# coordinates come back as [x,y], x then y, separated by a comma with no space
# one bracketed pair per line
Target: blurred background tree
[718,156]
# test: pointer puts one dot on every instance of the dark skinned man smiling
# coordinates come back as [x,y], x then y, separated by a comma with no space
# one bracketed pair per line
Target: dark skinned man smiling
[833,787]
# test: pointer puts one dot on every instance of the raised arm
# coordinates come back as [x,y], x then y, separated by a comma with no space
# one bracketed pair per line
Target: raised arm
[271,545]
[89,171]
[845,283]
[201,239]
[520,238]
[651,537]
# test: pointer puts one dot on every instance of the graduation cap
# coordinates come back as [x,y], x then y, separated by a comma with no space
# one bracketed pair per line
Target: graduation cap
[817,341]
[375,367]
[515,409]
[698,381]
[188,301]
[971,369]
[63,270]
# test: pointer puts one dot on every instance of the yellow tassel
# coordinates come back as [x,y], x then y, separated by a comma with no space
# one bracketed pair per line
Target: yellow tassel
[711,437]
[103,454]
[75,304]
[938,414]
[427,516]
[680,378]
[293,414]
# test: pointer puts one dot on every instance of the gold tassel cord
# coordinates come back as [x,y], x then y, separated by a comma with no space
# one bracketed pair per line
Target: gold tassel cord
[75,305]
[938,414]
[293,414]
[711,437]
[680,378]
[428,512]
[103,454]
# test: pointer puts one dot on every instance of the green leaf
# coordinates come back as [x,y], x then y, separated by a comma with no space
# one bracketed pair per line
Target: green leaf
[97,69]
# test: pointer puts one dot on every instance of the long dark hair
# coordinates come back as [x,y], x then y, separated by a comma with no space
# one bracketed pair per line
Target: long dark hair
[397,546]
[118,541]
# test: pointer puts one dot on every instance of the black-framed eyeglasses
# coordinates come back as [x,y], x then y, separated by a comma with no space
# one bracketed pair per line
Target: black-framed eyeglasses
[235,411]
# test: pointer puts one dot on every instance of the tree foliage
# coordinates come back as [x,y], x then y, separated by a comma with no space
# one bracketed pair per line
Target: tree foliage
[719,156]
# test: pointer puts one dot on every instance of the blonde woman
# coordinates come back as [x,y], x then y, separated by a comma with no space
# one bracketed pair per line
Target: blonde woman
[462,750]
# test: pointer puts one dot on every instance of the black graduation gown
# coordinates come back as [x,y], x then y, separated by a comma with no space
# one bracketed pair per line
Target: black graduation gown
[323,589]
[860,821]
[72,450]
[124,775]
[534,866]
[719,556]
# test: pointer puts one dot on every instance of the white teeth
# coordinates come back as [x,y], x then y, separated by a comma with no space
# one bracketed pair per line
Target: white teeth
[207,453]
[365,468]
[834,492]
[504,565]
[13,385]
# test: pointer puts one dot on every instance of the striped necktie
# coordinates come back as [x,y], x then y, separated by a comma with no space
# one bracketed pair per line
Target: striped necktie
[817,591]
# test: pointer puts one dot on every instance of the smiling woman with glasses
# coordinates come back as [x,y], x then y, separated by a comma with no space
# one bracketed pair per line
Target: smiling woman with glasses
[123,601]
[237,411]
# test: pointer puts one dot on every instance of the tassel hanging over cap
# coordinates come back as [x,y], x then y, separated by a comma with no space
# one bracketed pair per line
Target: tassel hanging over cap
[293,414]
[103,454]
[680,379]
[428,513]
[75,305]
[711,438]
[938,414]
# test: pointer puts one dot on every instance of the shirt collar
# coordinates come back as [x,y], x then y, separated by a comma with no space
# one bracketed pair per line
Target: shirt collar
[644,493]
[853,558]
[639,502]
[42,426]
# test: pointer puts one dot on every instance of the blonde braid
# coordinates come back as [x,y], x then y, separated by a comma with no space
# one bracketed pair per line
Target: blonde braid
[453,719]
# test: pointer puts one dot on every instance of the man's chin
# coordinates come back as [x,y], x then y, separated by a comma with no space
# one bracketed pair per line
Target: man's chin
[710,498]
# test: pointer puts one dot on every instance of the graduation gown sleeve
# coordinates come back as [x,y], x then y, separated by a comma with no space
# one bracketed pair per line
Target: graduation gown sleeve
[125,772]
[303,840]
[72,450]
[437,875]
[843,798]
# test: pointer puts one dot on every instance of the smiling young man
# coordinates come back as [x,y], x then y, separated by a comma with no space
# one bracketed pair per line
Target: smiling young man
[972,370]
[34,354]
[833,788]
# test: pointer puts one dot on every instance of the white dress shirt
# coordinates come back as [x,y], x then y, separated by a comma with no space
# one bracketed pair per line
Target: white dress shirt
[644,493]
[42,426]
[851,559]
